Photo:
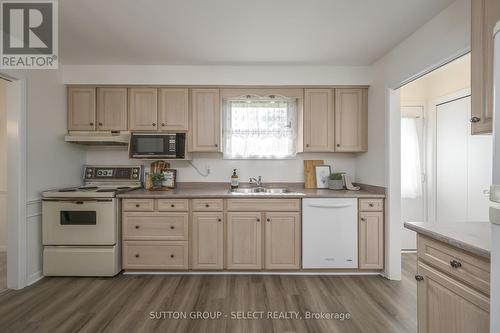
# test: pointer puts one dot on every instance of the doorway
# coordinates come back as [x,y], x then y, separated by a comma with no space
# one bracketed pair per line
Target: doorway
[443,175]
[3,185]
[463,165]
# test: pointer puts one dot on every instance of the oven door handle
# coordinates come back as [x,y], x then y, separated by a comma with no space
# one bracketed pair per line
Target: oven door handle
[79,201]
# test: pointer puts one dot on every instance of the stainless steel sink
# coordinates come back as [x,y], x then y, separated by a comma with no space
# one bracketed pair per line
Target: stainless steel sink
[259,190]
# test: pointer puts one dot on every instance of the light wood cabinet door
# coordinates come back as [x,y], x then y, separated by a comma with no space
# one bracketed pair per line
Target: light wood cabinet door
[173,109]
[319,120]
[484,15]
[112,109]
[143,109]
[81,109]
[282,238]
[208,243]
[205,120]
[351,120]
[446,305]
[371,240]
[244,235]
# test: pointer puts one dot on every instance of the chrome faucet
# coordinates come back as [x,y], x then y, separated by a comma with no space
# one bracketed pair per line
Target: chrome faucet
[255,181]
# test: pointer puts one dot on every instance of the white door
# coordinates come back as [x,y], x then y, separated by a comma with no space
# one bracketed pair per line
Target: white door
[412,209]
[463,165]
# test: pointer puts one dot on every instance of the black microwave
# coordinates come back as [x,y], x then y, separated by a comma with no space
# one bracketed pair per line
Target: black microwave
[157,145]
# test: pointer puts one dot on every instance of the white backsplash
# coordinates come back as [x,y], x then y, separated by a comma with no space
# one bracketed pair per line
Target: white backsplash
[290,170]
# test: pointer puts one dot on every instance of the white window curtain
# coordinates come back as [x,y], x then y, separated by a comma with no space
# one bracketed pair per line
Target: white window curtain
[260,128]
[411,173]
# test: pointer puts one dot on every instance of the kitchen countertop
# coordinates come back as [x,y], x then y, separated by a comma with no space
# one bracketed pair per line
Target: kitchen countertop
[473,237]
[221,190]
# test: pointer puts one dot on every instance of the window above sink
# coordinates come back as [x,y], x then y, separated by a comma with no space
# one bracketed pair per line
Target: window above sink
[258,127]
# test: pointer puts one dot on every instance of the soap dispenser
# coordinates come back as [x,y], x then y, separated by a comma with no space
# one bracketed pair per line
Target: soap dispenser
[235,180]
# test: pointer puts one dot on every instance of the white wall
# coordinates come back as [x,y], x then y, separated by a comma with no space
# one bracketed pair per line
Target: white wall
[50,162]
[3,168]
[271,171]
[442,38]
[221,170]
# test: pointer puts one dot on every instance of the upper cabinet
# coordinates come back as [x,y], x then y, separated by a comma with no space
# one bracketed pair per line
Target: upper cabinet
[111,109]
[485,14]
[205,109]
[318,120]
[351,120]
[173,107]
[143,109]
[81,108]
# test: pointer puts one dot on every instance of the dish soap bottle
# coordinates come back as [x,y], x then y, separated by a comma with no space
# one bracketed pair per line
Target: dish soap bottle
[235,180]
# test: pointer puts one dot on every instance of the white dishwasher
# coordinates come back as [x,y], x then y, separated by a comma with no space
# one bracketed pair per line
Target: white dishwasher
[330,233]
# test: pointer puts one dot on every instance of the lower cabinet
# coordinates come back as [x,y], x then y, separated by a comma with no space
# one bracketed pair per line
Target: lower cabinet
[155,255]
[244,235]
[283,236]
[446,305]
[371,234]
[208,240]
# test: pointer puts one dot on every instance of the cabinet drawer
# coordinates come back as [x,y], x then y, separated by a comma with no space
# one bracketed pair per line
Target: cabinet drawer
[371,205]
[468,268]
[207,205]
[267,205]
[173,205]
[138,205]
[155,226]
[155,255]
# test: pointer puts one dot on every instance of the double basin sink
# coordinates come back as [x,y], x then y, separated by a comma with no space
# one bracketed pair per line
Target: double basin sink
[260,190]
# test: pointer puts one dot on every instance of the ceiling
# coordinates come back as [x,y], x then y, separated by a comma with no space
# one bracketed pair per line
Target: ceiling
[237,32]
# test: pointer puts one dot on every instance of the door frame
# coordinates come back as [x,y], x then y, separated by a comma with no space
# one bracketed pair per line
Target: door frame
[16,181]
[432,154]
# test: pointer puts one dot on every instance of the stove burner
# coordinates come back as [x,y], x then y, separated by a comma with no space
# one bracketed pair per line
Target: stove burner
[70,189]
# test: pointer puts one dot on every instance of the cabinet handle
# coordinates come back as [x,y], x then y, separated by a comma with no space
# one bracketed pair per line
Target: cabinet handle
[172,227]
[207,205]
[219,219]
[455,263]
[154,124]
[171,256]
[100,124]
[216,145]
[338,144]
[475,119]
[172,205]
[137,205]
[307,145]
[370,204]
[163,124]
[137,255]
[137,227]
[91,124]
[268,219]
[363,219]
[258,220]
[419,278]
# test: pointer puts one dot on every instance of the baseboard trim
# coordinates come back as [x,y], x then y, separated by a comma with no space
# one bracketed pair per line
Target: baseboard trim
[35,277]
[246,273]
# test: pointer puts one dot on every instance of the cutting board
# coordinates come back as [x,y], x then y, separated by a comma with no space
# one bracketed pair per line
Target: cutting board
[310,172]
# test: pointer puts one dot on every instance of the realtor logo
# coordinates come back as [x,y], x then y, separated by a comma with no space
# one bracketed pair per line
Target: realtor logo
[29,35]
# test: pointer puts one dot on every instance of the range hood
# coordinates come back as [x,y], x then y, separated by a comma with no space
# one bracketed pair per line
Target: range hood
[98,138]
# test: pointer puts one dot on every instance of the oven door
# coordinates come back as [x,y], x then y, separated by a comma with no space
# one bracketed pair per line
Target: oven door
[79,221]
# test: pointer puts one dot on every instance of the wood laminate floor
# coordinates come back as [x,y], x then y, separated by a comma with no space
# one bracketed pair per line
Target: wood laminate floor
[3,271]
[125,303]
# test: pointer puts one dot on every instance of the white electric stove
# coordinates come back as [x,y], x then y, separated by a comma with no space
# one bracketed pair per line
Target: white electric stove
[81,225]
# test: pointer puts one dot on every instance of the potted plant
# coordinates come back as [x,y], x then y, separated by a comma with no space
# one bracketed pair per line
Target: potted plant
[157,179]
[336,181]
